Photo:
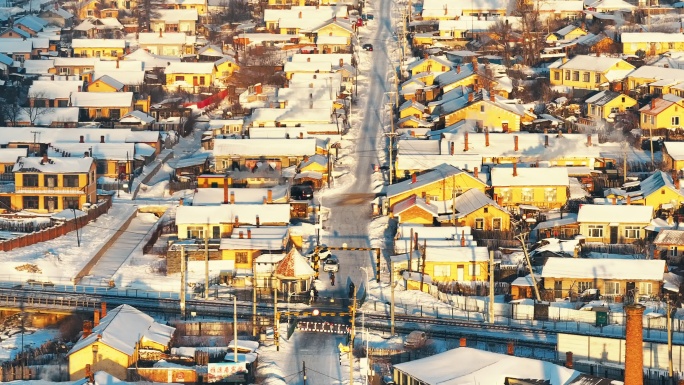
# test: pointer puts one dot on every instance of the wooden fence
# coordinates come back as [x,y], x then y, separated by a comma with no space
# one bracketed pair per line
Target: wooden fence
[473,288]
[625,249]
[58,230]
[47,361]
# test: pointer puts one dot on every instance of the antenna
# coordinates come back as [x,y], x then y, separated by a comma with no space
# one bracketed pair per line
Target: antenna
[35,133]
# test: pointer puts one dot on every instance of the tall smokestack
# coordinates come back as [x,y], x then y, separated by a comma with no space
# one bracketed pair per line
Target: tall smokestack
[634,350]
[269,196]
[466,142]
[103,310]
[568,360]
[463,243]
[232,197]
[451,148]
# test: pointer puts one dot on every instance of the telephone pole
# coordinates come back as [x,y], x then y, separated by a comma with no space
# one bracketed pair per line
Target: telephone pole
[206,263]
[254,298]
[352,310]
[521,239]
[183,285]
[391,135]
[392,285]
[276,319]
[491,286]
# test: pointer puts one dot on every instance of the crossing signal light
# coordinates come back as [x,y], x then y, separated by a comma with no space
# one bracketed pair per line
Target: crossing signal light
[315,312]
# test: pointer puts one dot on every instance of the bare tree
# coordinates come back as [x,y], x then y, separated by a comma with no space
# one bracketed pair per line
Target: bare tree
[530,25]
[33,109]
[10,108]
[258,65]
[236,11]
[502,31]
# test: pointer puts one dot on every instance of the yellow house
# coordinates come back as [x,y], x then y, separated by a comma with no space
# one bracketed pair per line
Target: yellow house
[442,183]
[423,39]
[569,32]
[225,67]
[111,344]
[106,83]
[665,112]
[462,76]
[100,48]
[540,187]
[614,223]
[475,209]
[415,210]
[247,243]
[569,277]
[199,5]
[411,108]
[218,220]
[651,43]
[673,155]
[430,64]
[487,110]
[287,3]
[316,163]
[660,80]
[88,8]
[336,28]
[589,72]
[659,191]
[47,185]
[190,74]
[95,105]
[446,264]
[605,104]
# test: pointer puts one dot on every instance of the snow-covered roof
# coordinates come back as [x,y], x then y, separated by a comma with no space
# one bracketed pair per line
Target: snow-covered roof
[98,43]
[594,63]
[110,81]
[293,266]
[109,151]
[614,213]
[651,37]
[568,219]
[654,72]
[440,172]
[412,201]
[665,237]
[52,89]
[102,99]
[245,213]
[477,366]
[38,67]
[123,328]
[264,147]
[332,58]
[472,200]
[190,68]
[11,155]
[166,38]
[75,61]
[605,268]
[73,135]
[256,238]
[53,165]
[214,196]
[526,280]
[33,22]
[12,46]
[603,97]
[136,116]
[173,16]
[532,176]
[675,150]
[151,60]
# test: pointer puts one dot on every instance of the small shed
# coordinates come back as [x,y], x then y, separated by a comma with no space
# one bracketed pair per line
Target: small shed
[294,273]
[312,178]
[523,287]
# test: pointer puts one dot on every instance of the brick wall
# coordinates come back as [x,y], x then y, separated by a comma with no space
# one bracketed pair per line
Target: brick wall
[634,351]
[173,258]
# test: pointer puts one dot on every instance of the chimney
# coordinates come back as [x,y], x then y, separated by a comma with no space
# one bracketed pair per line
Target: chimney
[258,222]
[451,148]
[241,237]
[588,140]
[546,130]
[264,200]
[102,139]
[486,137]
[180,202]
[301,135]
[237,221]
[675,179]
[634,351]
[470,97]
[87,328]
[511,349]
[45,159]
[458,69]
[653,103]
[103,310]
[300,14]
[462,238]
[492,96]
[414,178]
[249,233]
[465,148]
[427,199]
[341,62]
[568,360]
[546,141]
[225,191]
[426,55]
[308,59]
[232,197]
[476,172]
[462,342]
[81,139]
[117,63]
[96,317]
[269,196]
[515,168]
[614,200]
[515,143]
[160,32]
[629,200]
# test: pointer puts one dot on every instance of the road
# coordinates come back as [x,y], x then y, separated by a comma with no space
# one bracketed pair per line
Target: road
[349,218]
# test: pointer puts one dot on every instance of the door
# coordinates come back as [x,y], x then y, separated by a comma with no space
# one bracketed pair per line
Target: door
[460,273]
[630,289]
[613,234]
[216,232]
[51,203]
[558,289]
[504,127]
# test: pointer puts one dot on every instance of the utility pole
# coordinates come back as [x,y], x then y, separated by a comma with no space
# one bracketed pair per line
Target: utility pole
[521,239]
[182,288]
[491,286]
[329,168]
[392,134]
[276,319]
[304,371]
[235,343]
[206,263]
[254,298]
[422,270]
[352,310]
[392,285]
[670,370]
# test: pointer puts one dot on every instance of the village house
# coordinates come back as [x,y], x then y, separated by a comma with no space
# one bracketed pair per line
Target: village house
[569,32]
[446,264]
[606,104]
[589,72]
[225,67]
[673,155]
[534,186]
[301,21]
[167,43]
[476,210]
[18,49]
[651,43]
[245,154]
[112,160]
[340,33]
[440,236]
[106,84]
[660,191]
[58,16]
[112,341]
[95,105]
[434,64]
[217,190]
[31,24]
[108,49]
[664,112]
[293,274]
[442,183]
[188,75]
[486,110]
[174,20]
[659,80]
[67,66]
[8,158]
[131,73]
[613,278]
[614,223]
[415,210]
[46,185]
[49,93]
[669,246]
[200,6]
[246,243]
[196,222]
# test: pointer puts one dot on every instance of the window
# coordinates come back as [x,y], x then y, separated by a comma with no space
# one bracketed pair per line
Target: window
[595,231]
[632,232]
[442,271]
[30,203]
[652,119]
[62,103]
[41,103]
[598,78]
[496,223]
[479,223]
[481,107]
[201,80]
[670,45]
[456,192]
[575,76]
[550,194]
[474,270]
[70,202]
[216,232]
[101,166]
[241,257]
[673,251]
[97,54]
[70,181]
[675,120]
[567,75]
[585,77]
[506,195]
[30,180]
[114,53]
[115,114]
[50,180]
[195,232]
[645,288]
[611,288]
[527,195]
[180,78]
[556,75]
[584,286]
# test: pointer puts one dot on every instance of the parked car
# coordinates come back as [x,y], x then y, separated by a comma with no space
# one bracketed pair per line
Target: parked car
[331,265]
[367,47]
[323,253]
[367,16]
[415,340]
[301,192]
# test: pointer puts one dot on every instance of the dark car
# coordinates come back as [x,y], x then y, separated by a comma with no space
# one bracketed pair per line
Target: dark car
[367,47]
[367,16]
[301,192]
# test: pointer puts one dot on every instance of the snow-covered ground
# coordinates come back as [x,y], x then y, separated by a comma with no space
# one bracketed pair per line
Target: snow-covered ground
[10,346]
